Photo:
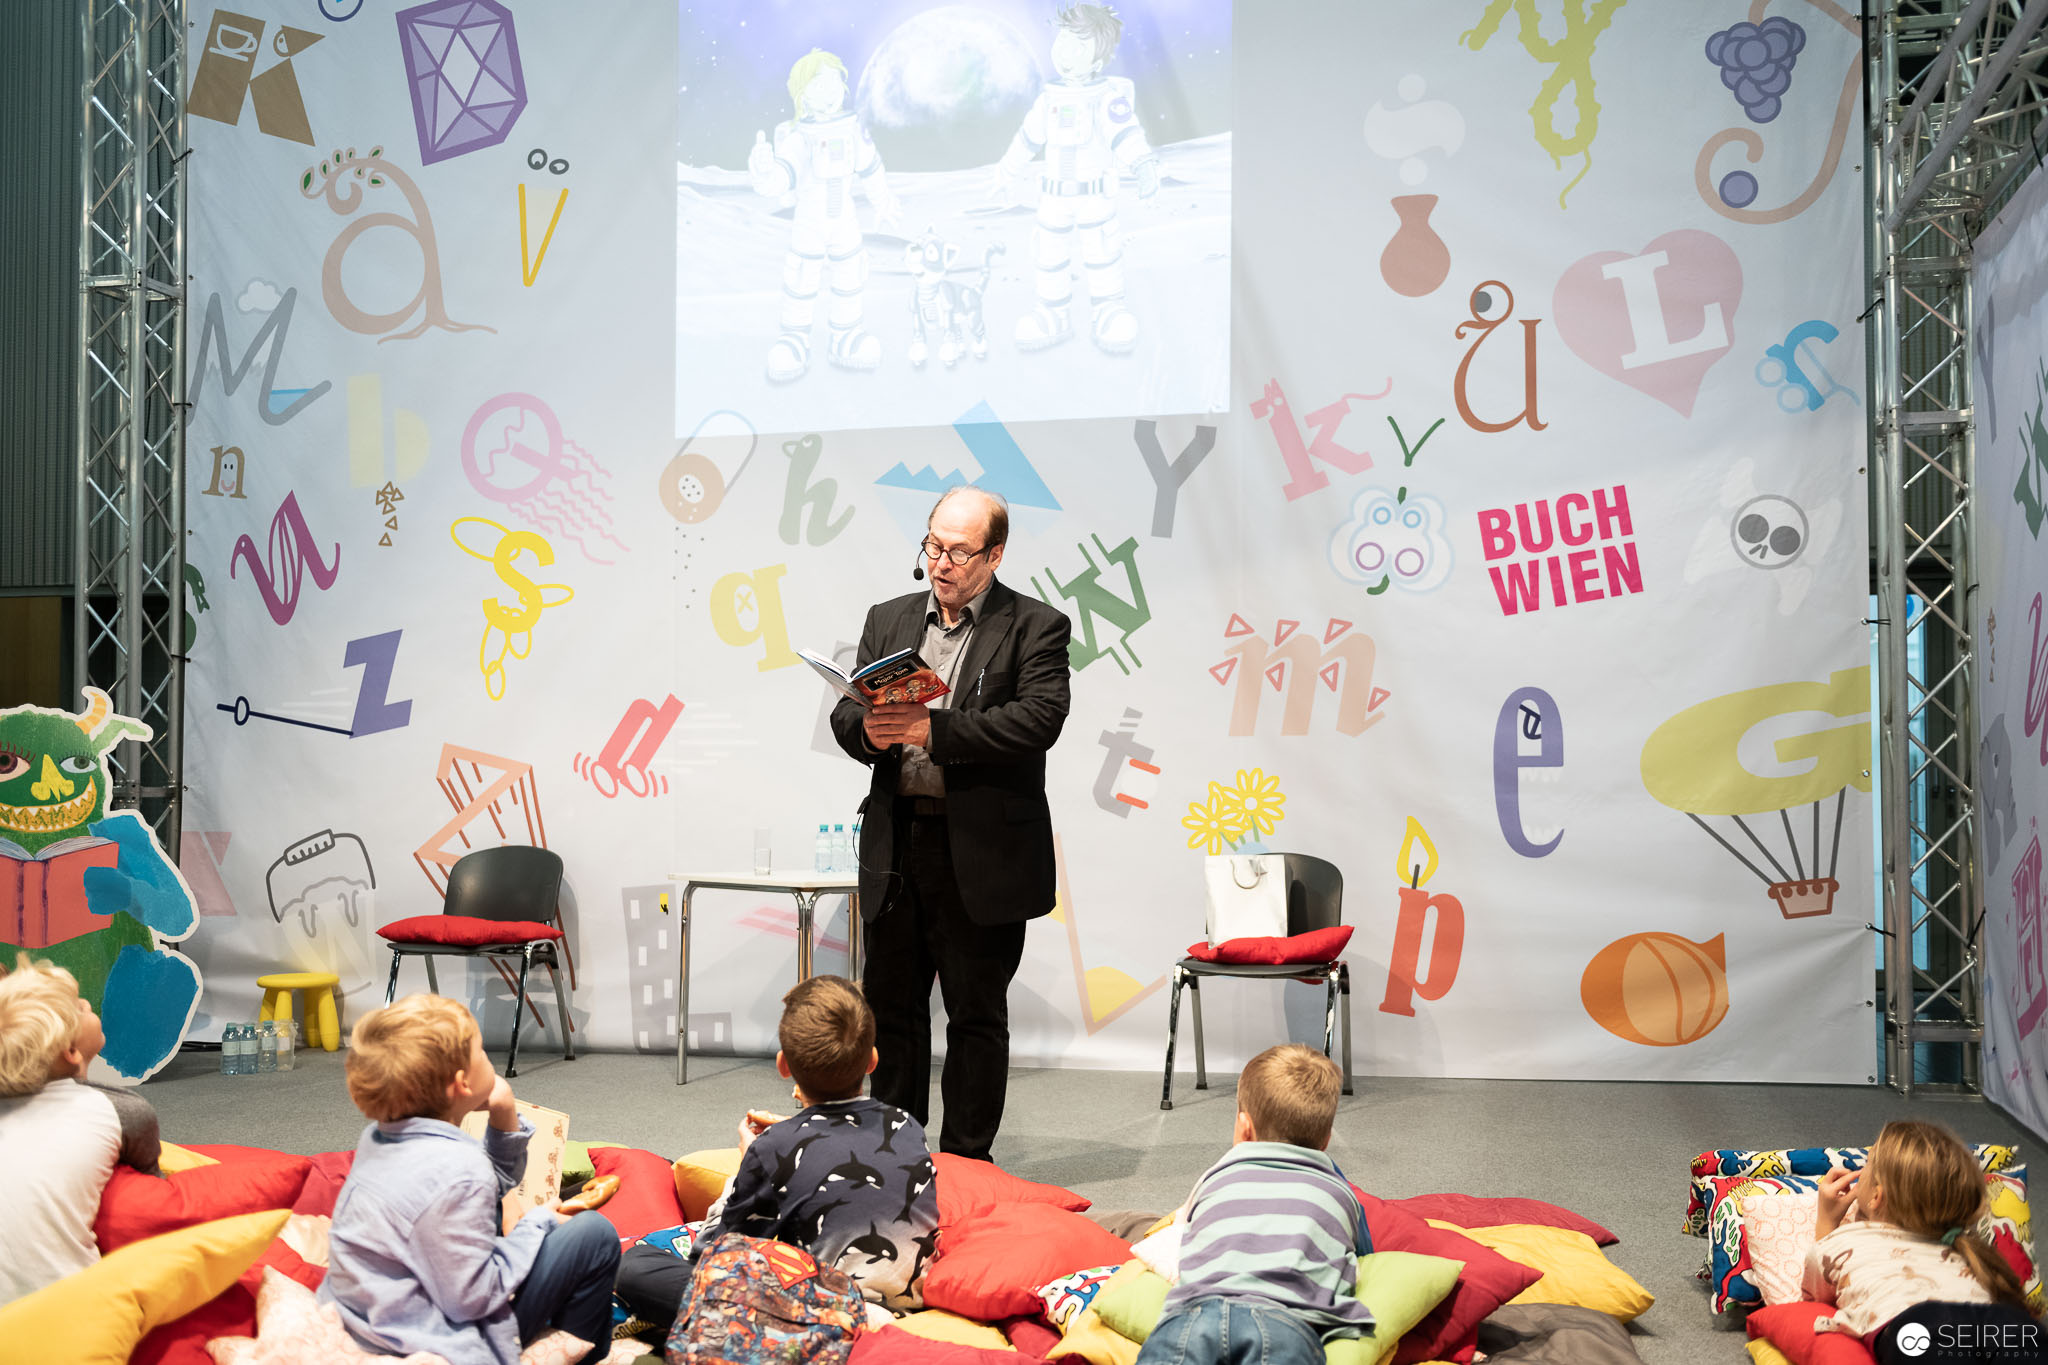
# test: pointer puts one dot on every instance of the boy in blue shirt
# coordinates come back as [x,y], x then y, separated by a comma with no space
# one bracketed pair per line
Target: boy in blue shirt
[415,1258]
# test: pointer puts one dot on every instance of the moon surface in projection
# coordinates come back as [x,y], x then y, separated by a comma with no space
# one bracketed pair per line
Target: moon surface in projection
[947,89]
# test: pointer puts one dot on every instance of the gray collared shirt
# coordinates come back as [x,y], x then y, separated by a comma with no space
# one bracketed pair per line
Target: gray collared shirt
[943,648]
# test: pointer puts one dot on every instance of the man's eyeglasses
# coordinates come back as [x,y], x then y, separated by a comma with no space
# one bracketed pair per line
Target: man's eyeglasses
[933,550]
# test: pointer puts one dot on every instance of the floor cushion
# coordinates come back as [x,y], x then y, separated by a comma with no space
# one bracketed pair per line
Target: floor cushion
[936,1324]
[293,1328]
[1071,1294]
[134,1206]
[1575,1271]
[1473,1211]
[700,1178]
[1089,1338]
[1778,1229]
[1560,1333]
[991,1265]
[182,1341]
[646,1199]
[171,1157]
[1451,1329]
[966,1185]
[894,1346]
[102,1312]
[1761,1352]
[1789,1327]
[323,1183]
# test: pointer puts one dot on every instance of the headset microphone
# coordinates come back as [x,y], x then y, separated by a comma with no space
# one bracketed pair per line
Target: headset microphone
[918,572]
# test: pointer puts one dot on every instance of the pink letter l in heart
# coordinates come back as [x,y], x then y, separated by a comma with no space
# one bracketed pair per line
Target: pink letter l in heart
[1657,320]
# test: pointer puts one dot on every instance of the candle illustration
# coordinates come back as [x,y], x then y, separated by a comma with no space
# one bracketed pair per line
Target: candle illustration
[1415,864]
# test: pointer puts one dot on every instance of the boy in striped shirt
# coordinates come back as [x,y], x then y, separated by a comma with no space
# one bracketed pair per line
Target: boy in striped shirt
[1268,1259]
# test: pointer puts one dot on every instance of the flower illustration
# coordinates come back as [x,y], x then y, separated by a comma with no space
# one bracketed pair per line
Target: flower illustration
[1256,800]
[1215,822]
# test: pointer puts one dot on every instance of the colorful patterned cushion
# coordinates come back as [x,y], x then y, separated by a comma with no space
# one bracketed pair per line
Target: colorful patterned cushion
[1069,1294]
[1730,1259]
[1814,1161]
[292,1326]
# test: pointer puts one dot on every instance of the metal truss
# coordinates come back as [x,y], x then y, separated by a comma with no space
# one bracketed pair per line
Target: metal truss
[1958,91]
[128,631]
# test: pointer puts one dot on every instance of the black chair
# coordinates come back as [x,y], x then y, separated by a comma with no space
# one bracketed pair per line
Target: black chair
[1315,900]
[513,883]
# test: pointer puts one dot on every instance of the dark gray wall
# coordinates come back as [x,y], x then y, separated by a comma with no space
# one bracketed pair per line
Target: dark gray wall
[40,80]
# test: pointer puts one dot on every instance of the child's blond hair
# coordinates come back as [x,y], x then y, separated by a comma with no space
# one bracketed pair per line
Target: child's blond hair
[827,1035]
[1931,1185]
[1290,1095]
[39,1018]
[401,1058]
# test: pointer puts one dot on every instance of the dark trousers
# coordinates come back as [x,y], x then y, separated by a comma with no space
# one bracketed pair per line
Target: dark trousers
[924,932]
[653,1284]
[570,1285]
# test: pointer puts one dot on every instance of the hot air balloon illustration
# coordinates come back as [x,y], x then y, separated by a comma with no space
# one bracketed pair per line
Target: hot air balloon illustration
[1752,764]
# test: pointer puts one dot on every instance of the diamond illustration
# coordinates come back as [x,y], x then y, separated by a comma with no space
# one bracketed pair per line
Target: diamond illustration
[462,67]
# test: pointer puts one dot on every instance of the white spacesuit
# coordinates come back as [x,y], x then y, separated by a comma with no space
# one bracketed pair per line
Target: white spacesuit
[1086,131]
[818,159]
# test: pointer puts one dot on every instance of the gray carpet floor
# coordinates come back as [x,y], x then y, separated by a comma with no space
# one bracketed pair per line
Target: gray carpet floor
[1615,1152]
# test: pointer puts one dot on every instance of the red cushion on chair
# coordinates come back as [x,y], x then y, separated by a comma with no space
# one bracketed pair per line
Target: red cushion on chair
[463,931]
[1317,945]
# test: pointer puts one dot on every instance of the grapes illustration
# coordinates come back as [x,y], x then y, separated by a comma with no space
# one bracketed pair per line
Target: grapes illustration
[1756,63]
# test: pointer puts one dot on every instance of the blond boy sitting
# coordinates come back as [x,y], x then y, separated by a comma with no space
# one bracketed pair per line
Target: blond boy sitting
[60,1137]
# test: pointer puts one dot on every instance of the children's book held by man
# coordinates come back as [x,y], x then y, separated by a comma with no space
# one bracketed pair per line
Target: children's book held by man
[901,676]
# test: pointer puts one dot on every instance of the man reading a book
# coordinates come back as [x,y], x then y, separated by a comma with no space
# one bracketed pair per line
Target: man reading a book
[956,843]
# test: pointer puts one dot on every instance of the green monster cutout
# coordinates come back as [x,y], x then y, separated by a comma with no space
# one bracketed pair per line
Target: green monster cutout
[89,890]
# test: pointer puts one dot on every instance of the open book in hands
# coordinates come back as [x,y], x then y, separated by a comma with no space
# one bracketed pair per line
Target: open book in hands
[901,676]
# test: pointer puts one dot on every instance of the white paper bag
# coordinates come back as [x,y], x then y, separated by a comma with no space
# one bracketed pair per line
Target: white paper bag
[1247,896]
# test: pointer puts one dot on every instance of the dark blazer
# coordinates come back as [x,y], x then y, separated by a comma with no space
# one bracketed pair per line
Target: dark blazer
[1008,704]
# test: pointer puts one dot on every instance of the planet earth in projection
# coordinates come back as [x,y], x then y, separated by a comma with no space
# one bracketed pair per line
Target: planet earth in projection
[947,89]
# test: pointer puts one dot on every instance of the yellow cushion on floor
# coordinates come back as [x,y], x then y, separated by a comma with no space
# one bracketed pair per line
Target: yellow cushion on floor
[172,1157]
[936,1324]
[1089,1338]
[1763,1353]
[97,1316]
[701,1177]
[1575,1270]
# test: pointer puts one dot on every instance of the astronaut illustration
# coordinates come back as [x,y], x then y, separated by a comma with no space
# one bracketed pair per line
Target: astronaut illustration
[815,162]
[1083,130]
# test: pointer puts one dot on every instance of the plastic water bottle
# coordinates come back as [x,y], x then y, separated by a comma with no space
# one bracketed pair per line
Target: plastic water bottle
[228,1048]
[266,1047]
[842,850]
[286,1045]
[853,851]
[245,1059]
[821,858]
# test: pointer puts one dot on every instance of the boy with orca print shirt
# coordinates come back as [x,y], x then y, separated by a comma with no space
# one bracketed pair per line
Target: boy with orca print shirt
[847,1178]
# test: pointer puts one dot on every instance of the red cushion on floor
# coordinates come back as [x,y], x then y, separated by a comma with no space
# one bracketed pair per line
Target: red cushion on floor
[1489,1279]
[1317,945]
[894,1346]
[991,1263]
[1472,1211]
[966,1185]
[1789,1327]
[280,1257]
[1033,1337]
[182,1341]
[323,1183]
[646,1200]
[135,1206]
[463,931]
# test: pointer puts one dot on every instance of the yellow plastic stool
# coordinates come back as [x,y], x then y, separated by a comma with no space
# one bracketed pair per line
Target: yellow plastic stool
[323,1022]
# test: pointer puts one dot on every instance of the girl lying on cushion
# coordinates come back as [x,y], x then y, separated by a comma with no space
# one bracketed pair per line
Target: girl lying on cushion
[1909,1257]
